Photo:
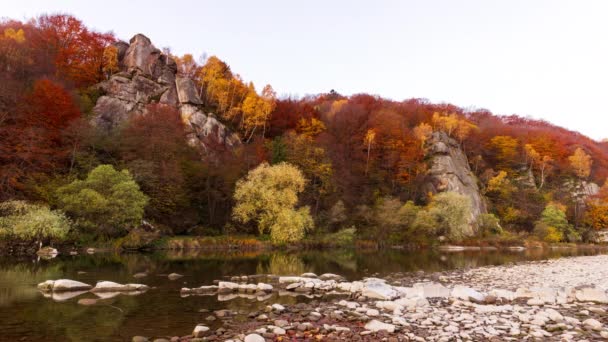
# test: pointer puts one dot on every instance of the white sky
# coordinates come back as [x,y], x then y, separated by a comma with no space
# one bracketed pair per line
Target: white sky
[541,58]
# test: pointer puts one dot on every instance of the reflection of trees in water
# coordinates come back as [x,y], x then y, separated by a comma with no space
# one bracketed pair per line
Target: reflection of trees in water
[16,281]
[282,264]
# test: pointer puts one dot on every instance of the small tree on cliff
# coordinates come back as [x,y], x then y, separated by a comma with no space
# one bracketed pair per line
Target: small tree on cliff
[267,196]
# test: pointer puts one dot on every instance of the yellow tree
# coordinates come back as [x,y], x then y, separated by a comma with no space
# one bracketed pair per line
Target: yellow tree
[581,163]
[110,60]
[538,161]
[422,133]
[369,140]
[310,127]
[505,148]
[267,196]
[269,103]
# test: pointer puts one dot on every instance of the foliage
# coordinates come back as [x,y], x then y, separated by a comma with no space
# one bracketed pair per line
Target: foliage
[581,163]
[505,148]
[28,221]
[488,225]
[107,202]
[452,213]
[553,221]
[267,196]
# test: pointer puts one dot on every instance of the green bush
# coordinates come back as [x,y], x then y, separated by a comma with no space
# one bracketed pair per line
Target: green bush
[452,212]
[554,225]
[488,225]
[107,203]
[32,222]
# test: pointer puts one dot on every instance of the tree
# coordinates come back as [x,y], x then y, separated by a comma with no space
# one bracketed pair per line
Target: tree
[423,132]
[370,138]
[581,163]
[77,51]
[310,127]
[33,142]
[155,150]
[302,152]
[267,196]
[554,223]
[110,60]
[505,148]
[107,202]
[542,163]
[32,222]
[452,213]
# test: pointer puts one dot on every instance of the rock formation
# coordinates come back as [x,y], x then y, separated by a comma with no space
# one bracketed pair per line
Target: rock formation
[148,76]
[449,171]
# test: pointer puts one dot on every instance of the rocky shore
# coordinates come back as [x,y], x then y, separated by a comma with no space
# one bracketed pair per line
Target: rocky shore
[552,300]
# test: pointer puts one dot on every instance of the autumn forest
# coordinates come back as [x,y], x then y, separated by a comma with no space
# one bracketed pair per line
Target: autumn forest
[319,170]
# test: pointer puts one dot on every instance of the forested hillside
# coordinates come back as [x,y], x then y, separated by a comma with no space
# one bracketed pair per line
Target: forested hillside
[97,135]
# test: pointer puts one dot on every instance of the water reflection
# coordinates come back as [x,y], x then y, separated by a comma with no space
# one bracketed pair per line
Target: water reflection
[26,313]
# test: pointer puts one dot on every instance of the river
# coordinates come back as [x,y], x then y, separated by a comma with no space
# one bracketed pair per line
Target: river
[26,315]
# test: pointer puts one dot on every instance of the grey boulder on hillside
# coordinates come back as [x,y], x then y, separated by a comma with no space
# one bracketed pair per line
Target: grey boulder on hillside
[148,76]
[449,171]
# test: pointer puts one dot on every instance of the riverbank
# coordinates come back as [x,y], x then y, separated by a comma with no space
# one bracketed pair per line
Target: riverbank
[558,299]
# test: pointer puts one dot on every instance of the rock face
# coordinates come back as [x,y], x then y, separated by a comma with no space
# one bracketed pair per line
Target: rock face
[450,171]
[148,76]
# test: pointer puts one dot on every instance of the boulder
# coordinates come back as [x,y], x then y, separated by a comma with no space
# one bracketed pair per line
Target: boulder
[174,276]
[201,331]
[110,286]
[63,285]
[227,287]
[254,338]
[211,289]
[467,293]
[591,294]
[376,326]
[378,290]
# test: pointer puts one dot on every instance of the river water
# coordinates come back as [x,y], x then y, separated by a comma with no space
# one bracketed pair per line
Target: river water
[26,315]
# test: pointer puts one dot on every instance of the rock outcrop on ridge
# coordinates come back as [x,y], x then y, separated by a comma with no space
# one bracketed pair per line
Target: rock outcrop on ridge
[449,171]
[148,76]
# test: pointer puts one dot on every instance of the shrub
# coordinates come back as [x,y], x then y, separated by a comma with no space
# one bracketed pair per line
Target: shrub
[554,217]
[488,225]
[267,196]
[452,212]
[107,202]
[32,222]
[547,233]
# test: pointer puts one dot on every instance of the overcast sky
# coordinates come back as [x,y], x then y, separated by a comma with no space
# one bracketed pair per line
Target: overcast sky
[541,58]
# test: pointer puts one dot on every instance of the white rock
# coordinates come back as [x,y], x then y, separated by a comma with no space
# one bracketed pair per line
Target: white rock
[264,287]
[593,324]
[110,286]
[227,287]
[433,290]
[590,294]
[330,276]
[278,307]
[376,326]
[372,313]
[63,285]
[378,290]
[467,293]
[200,331]
[254,338]
[278,331]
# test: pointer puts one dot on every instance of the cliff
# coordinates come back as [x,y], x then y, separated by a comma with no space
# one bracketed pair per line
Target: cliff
[449,171]
[148,76]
